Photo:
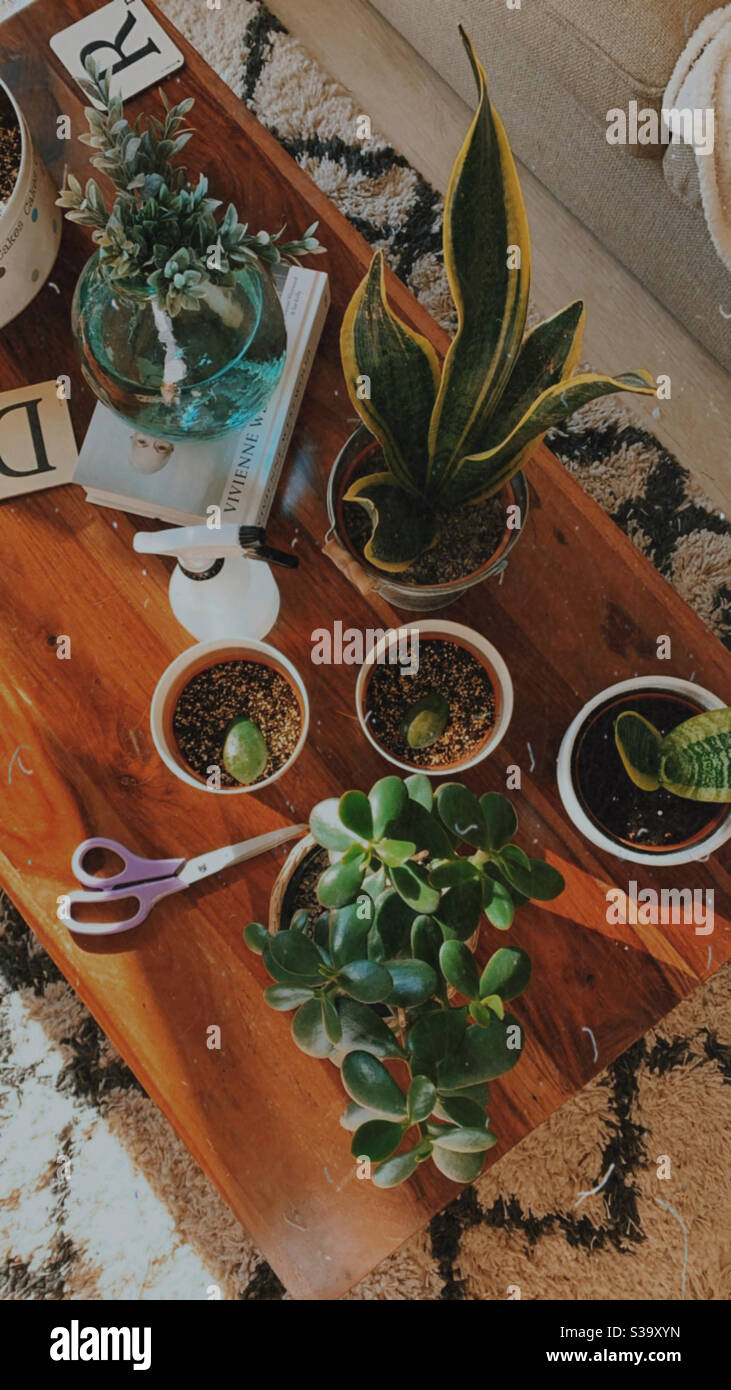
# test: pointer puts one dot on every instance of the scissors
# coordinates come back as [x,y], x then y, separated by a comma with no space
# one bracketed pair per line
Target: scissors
[146,881]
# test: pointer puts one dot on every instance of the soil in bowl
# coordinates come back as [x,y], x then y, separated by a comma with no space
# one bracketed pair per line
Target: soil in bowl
[10,150]
[301,891]
[232,690]
[470,537]
[456,674]
[644,820]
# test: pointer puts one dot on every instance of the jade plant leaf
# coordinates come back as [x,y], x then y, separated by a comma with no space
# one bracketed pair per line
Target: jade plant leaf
[458,1140]
[364,1031]
[433,1038]
[369,1083]
[245,753]
[349,927]
[484,1053]
[354,1116]
[366,981]
[339,884]
[507,973]
[331,1021]
[498,903]
[696,757]
[256,937]
[462,1111]
[460,1167]
[458,967]
[377,1139]
[419,789]
[540,880]
[421,1099]
[460,910]
[285,997]
[410,880]
[413,982]
[462,814]
[480,1014]
[500,819]
[425,720]
[393,921]
[308,1030]
[295,953]
[452,872]
[419,825]
[395,852]
[426,939]
[354,810]
[327,828]
[387,799]
[396,1170]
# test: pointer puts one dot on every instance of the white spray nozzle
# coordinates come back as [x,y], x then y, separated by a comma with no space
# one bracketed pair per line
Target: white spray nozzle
[197,547]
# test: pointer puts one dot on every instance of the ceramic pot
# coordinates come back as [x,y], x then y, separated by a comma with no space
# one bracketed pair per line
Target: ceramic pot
[30,227]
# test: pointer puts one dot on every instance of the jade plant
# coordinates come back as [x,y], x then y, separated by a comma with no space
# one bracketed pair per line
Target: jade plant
[454,435]
[692,761]
[385,973]
[161,228]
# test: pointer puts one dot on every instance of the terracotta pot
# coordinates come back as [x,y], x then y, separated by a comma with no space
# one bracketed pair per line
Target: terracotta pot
[416,597]
[701,845]
[182,670]
[488,657]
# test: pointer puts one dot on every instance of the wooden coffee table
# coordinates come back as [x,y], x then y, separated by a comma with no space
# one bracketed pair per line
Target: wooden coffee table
[578,609]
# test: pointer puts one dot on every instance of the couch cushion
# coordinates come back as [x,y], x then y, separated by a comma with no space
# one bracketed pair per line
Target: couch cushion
[604,55]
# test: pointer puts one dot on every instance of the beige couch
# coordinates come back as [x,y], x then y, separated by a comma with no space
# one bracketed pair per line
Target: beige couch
[555,68]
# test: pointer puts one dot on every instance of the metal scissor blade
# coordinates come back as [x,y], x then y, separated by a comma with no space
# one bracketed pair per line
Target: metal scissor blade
[218,859]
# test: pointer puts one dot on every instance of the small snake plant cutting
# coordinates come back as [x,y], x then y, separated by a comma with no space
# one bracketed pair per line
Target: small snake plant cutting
[376,980]
[161,230]
[692,761]
[456,435]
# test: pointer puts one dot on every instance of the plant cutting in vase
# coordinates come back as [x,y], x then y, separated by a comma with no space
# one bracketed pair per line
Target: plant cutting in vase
[643,770]
[229,715]
[443,717]
[177,320]
[452,437]
[398,905]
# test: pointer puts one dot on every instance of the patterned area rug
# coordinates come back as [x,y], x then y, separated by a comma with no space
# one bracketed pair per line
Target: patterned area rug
[99,1199]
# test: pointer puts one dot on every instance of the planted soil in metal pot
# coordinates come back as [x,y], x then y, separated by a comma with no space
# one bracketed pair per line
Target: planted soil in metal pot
[471,538]
[449,670]
[644,820]
[228,691]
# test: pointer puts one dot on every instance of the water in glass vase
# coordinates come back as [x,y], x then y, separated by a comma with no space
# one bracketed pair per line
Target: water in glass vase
[193,375]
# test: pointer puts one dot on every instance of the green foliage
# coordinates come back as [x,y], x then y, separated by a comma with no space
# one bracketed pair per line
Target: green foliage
[692,761]
[161,230]
[409,878]
[456,433]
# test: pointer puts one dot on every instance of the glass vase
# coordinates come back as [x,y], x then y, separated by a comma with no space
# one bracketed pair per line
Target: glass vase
[192,375]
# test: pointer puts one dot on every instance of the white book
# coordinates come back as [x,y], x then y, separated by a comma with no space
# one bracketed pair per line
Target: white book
[238,472]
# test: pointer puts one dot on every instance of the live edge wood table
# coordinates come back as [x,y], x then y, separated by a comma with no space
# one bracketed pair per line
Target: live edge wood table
[578,609]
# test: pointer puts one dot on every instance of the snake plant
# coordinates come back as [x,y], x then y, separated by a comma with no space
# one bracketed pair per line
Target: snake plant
[455,435]
[692,761]
[399,903]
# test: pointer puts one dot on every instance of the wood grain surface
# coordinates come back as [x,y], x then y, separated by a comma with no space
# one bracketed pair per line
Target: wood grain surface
[578,608]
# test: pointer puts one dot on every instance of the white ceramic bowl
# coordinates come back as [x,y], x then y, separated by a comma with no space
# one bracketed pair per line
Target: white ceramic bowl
[183,669]
[660,858]
[483,650]
[30,227]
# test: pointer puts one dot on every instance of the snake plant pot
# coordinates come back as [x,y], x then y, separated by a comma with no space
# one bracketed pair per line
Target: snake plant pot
[192,375]
[644,827]
[230,716]
[445,708]
[441,575]
[30,223]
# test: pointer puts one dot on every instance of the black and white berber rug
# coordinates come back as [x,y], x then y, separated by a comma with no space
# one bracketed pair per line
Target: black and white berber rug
[99,1199]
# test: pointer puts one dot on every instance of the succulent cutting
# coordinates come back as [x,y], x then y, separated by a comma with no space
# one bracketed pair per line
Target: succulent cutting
[454,435]
[410,876]
[161,229]
[692,761]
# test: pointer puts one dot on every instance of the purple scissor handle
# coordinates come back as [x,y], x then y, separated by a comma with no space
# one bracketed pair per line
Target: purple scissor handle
[149,880]
[145,880]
